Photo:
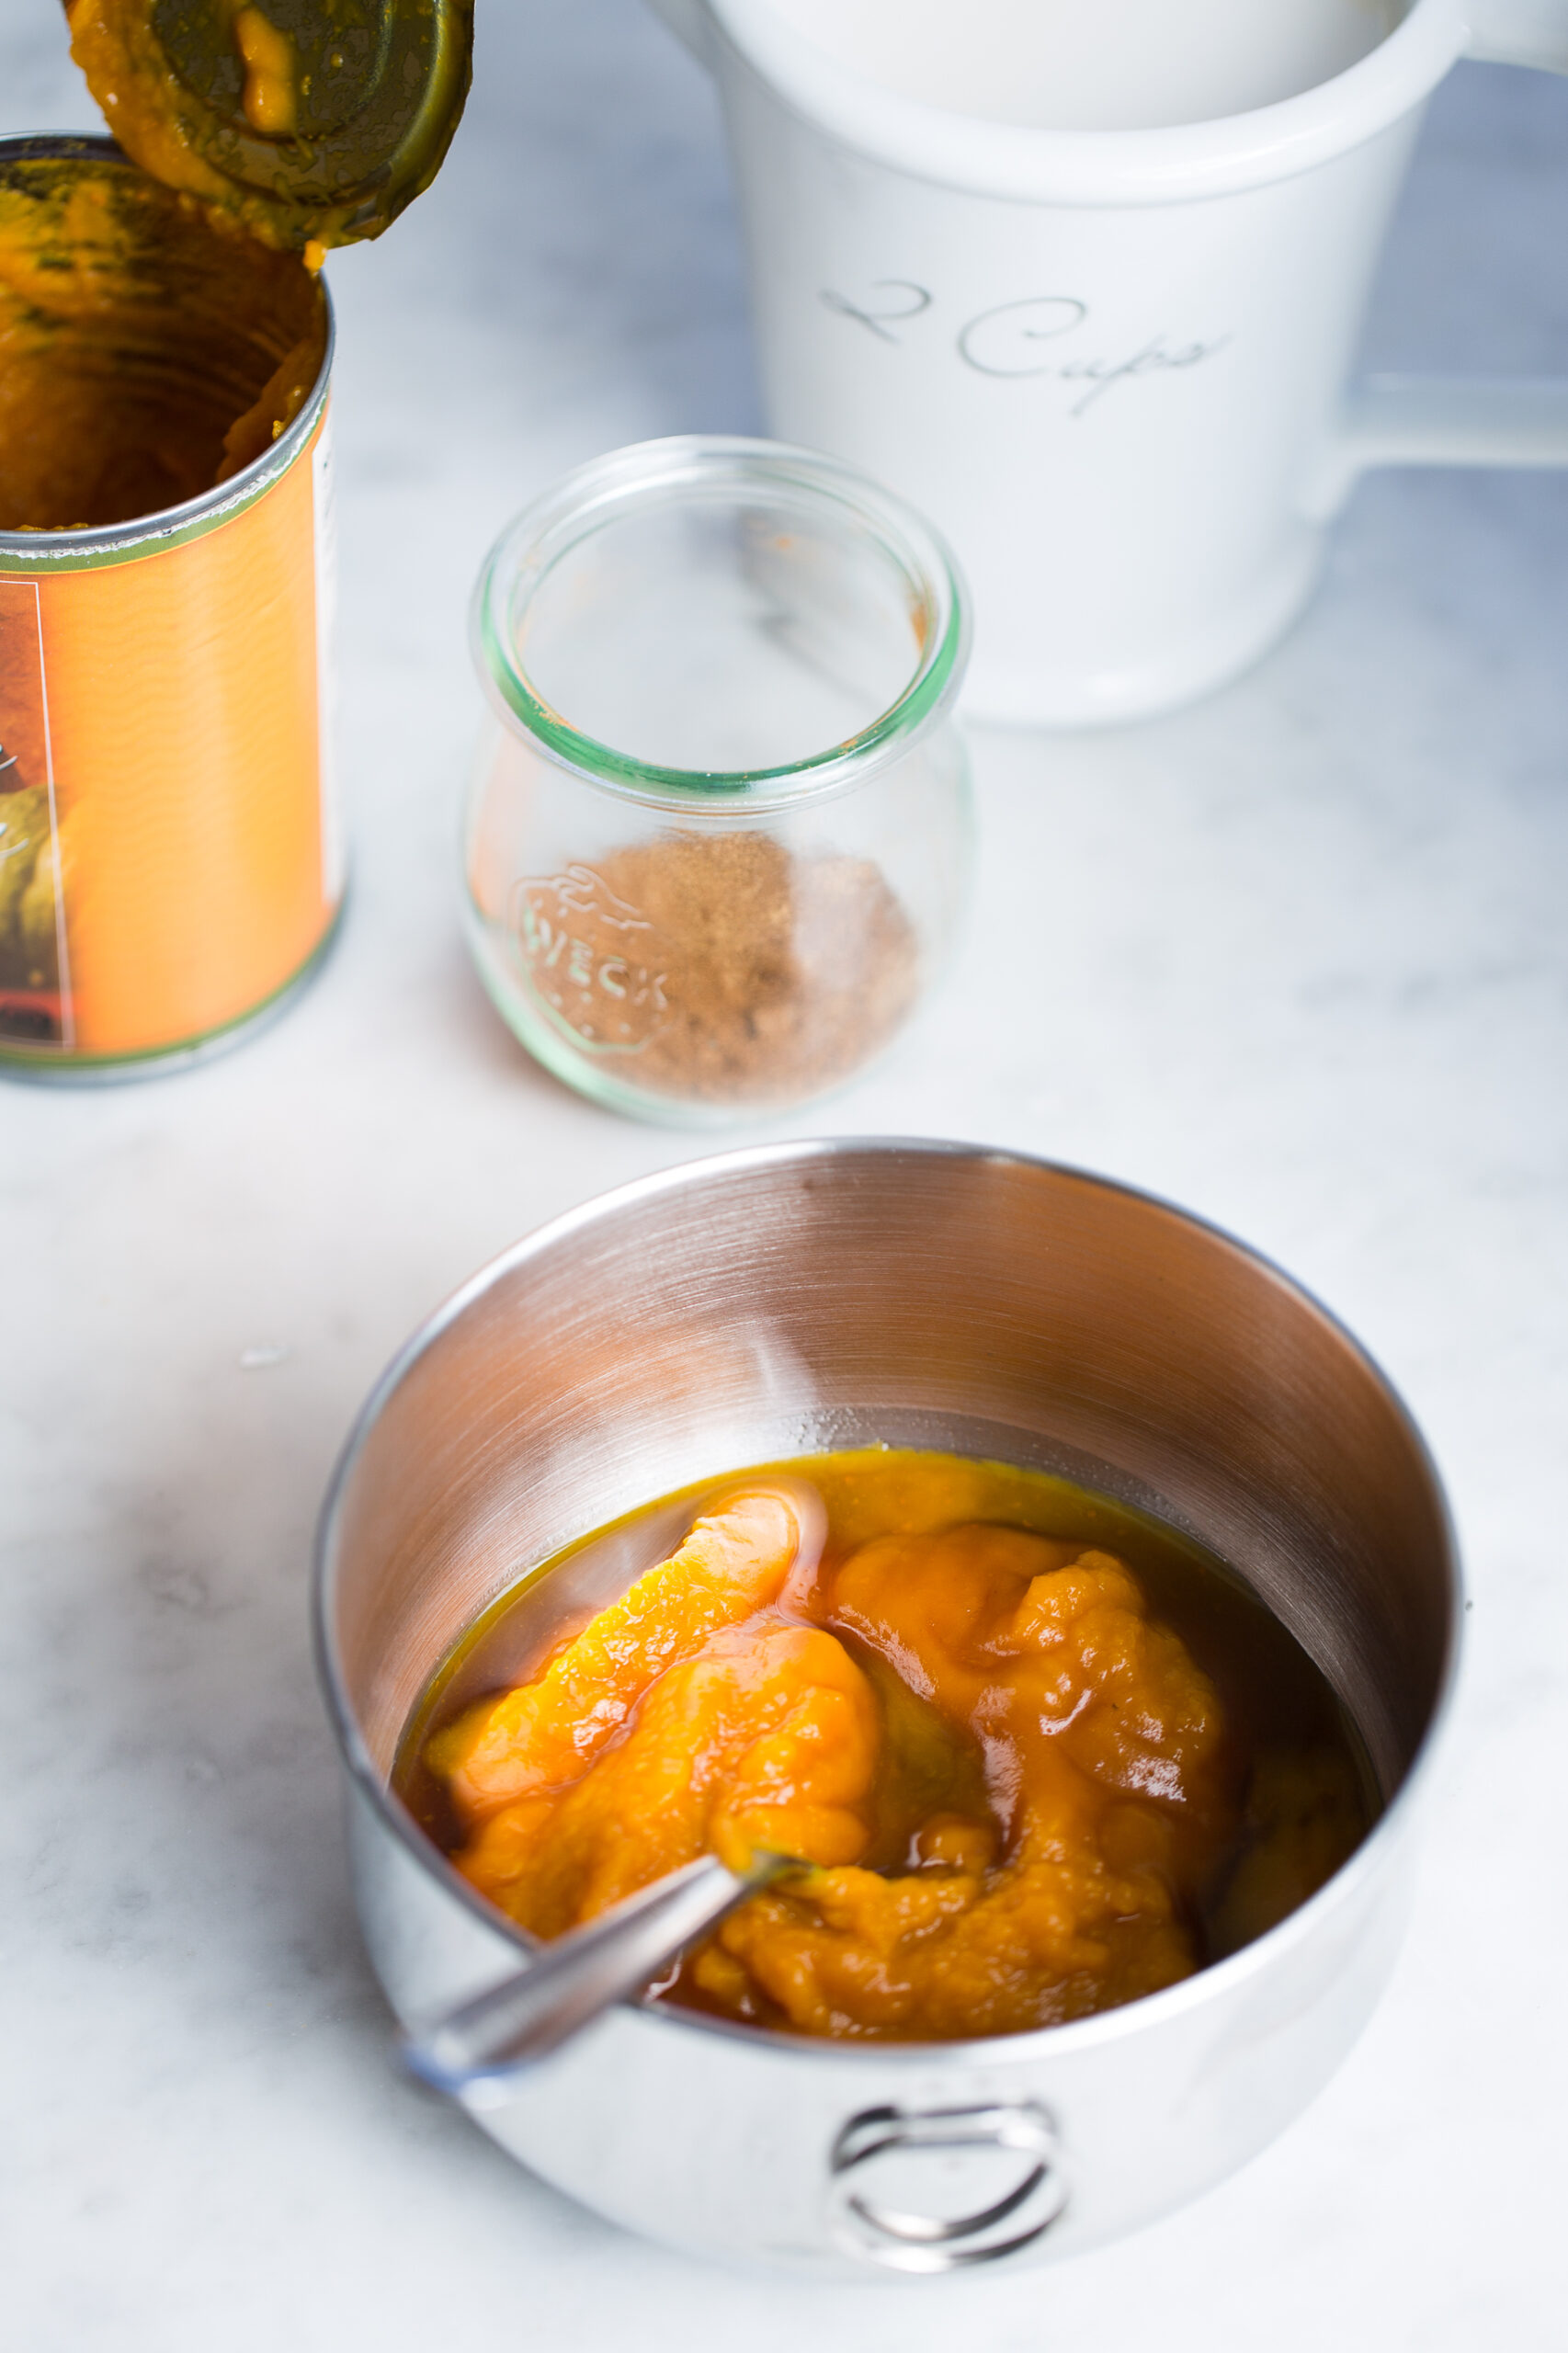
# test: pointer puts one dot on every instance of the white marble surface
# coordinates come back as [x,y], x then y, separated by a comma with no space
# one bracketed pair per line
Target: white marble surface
[1296,957]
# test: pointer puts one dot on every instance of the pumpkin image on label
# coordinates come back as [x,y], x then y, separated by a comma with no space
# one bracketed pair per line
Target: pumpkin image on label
[35,1004]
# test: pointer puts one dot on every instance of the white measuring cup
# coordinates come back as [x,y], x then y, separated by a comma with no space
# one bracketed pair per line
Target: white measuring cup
[1084,283]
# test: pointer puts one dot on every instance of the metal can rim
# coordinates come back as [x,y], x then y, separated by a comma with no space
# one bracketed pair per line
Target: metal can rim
[167,527]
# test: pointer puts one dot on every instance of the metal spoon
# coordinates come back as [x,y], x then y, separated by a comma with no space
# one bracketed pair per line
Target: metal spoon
[582,1974]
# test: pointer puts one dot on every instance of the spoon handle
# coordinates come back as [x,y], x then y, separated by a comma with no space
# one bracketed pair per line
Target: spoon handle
[581,1974]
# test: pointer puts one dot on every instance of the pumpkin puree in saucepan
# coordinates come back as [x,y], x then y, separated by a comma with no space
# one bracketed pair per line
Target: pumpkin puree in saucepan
[1017,1788]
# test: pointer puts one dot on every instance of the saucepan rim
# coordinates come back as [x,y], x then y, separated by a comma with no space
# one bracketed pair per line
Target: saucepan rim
[1211,1982]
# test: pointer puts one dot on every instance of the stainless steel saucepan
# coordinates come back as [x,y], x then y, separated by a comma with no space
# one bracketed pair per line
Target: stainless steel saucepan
[802,1297]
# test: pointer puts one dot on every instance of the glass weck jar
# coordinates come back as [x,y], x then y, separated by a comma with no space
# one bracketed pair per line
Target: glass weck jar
[719,835]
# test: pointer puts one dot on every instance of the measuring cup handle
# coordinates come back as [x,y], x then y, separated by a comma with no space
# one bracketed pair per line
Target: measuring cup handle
[689,19]
[1519,32]
[1460,421]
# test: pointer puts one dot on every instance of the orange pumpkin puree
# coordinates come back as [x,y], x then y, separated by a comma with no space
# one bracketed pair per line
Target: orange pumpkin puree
[1015,1791]
[117,45]
[307,135]
[271,95]
[146,353]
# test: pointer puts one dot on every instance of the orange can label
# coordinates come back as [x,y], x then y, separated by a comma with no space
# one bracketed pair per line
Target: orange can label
[169,853]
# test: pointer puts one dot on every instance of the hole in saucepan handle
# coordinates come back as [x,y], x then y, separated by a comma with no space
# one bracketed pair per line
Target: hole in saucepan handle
[942,2157]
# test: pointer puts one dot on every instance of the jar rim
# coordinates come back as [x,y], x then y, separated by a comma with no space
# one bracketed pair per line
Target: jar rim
[694,466]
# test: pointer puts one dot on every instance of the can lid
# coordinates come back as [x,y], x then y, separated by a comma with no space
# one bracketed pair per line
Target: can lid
[309,122]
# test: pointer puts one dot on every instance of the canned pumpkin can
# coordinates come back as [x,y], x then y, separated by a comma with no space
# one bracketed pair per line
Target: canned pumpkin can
[171,865]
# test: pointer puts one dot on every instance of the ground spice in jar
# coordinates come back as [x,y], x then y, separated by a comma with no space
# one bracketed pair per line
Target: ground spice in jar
[721,967]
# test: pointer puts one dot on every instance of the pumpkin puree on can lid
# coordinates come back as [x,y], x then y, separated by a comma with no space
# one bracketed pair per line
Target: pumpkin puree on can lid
[309,133]
[271,94]
[1012,1784]
[115,44]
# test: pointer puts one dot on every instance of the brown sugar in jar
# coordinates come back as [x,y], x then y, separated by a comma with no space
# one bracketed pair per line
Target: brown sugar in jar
[759,974]
[719,845]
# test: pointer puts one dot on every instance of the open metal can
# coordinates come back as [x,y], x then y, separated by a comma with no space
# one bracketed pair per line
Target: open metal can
[810,1296]
[171,860]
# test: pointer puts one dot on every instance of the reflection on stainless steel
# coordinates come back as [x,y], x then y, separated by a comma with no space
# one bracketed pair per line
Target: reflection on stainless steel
[811,1296]
[575,1979]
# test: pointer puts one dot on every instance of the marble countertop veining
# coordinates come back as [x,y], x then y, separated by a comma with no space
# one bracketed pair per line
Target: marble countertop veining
[1296,957]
